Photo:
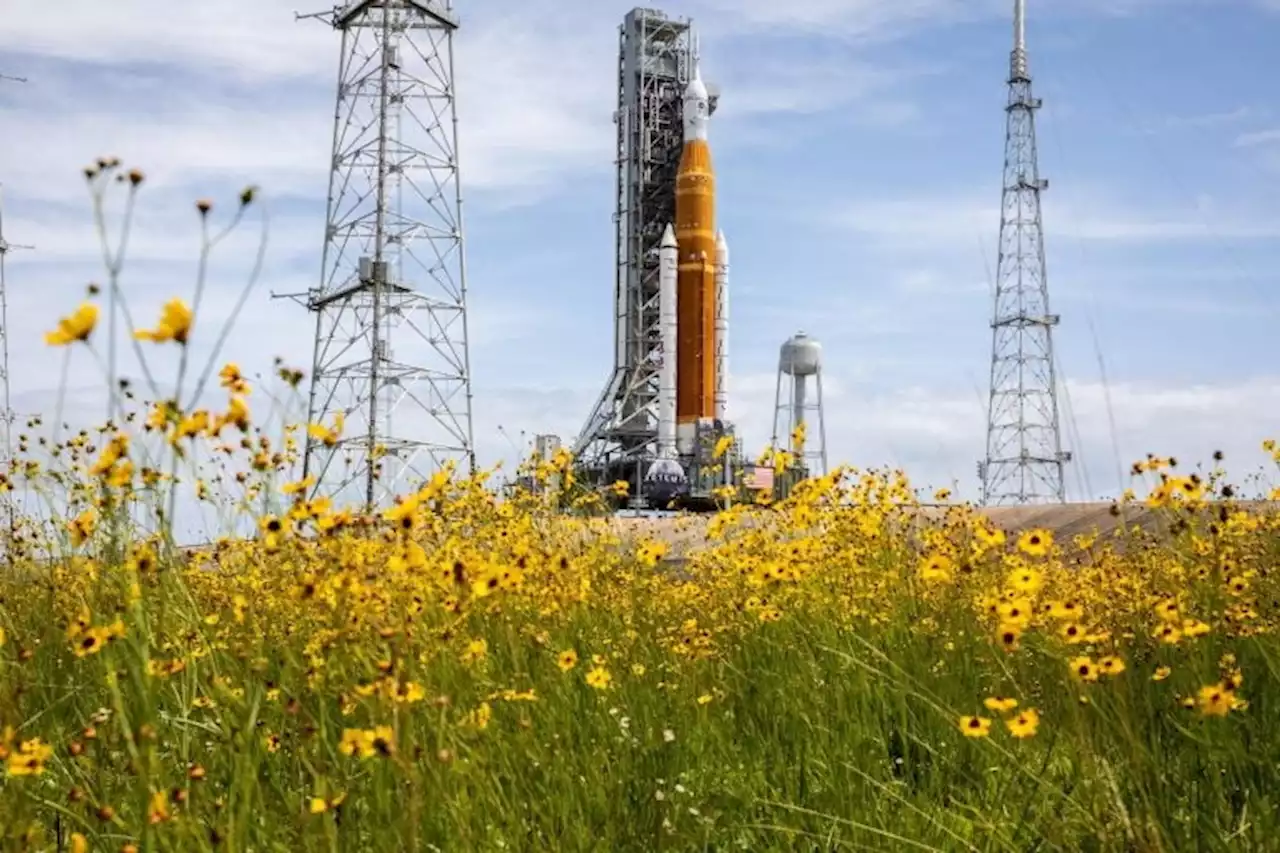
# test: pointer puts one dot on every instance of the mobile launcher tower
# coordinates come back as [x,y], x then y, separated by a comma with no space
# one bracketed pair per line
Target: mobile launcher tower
[661,417]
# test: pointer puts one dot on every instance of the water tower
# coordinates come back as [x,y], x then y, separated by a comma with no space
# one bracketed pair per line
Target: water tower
[793,407]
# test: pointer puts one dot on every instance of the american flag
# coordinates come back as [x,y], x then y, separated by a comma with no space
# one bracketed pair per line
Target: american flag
[760,478]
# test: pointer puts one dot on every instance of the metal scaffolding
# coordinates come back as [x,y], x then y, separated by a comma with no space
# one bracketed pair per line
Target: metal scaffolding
[654,63]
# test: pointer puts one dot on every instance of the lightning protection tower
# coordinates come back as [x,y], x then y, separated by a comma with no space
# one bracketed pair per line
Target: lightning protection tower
[7,416]
[391,351]
[654,63]
[1025,460]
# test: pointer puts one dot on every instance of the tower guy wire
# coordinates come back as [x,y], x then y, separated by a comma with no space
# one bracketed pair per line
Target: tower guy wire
[390,396]
[1024,460]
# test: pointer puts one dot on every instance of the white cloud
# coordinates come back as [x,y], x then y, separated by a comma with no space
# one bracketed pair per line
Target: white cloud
[524,120]
[961,220]
[1204,120]
[856,18]
[1258,137]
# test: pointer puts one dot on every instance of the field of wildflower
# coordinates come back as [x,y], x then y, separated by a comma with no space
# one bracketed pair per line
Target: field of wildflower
[838,670]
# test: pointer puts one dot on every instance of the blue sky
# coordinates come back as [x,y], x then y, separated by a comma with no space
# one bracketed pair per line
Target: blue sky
[858,147]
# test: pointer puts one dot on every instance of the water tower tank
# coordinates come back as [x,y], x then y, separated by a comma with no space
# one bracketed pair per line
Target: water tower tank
[801,356]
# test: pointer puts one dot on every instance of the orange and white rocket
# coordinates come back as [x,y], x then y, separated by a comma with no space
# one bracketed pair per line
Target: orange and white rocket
[693,292]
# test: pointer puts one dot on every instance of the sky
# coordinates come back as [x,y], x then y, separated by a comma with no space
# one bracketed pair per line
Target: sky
[858,148]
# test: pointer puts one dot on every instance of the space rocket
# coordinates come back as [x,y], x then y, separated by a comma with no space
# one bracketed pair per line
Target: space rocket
[693,291]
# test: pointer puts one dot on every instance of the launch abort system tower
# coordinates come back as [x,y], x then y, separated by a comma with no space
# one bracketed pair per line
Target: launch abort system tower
[655,66]
[391,358]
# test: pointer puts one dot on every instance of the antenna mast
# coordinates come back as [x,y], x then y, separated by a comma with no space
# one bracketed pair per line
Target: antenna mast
[1025,460]
[393,270]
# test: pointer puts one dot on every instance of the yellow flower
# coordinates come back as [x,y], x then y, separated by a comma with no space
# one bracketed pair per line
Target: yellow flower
[1016,612]
[1216,700]
[1194,628]
[29,758]
[475,652]
[229,377]
[1028,581]
[1073,633]
[1000,704]
[1161,673]
[1008,634]
[82,526]
[174,325]
[936,568]
[975,726]
[330,436]
[1024,724]
[1084,669]
[354,742]
[77,326]
[320,805]
[90,642]
[599,678]
[480,717]
[650,553]
[988,534]
[1035,543]
[567,660]
[158,809]
[1110,665]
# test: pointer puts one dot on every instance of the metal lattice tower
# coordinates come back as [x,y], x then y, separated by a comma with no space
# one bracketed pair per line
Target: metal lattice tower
[654,63]
[1025,460]
[391,351]
[7,415]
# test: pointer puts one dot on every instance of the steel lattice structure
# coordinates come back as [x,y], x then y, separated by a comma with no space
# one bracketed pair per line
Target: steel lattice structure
[7,416]
[654,63]
[391,321]
[1024,461]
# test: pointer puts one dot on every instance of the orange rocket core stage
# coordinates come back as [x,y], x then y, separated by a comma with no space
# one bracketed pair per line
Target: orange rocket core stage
[696,284]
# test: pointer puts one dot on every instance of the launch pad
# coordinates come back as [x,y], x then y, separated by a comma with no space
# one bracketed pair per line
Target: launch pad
[660,423]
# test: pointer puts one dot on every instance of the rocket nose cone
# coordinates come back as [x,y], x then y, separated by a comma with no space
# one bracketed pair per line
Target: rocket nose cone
[720,241]
[668,237]
[696,88]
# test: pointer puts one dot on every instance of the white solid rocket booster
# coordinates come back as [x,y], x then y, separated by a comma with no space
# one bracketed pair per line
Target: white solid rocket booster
[668,261]
[722,325]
